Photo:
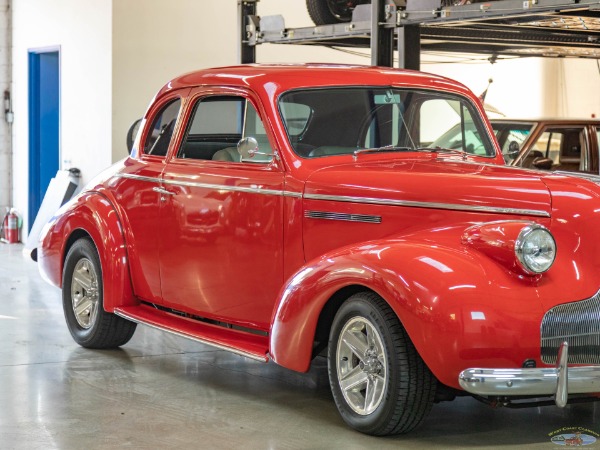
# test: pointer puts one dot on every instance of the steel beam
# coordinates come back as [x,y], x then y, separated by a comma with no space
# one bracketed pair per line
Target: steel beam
[246,10]
[409,47]
[382,39]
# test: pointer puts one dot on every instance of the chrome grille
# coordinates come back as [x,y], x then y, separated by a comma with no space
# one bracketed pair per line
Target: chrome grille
[577,323]
[341,216]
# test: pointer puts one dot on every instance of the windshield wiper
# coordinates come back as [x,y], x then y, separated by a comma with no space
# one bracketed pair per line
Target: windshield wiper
[386,148]
[441,150]
[395,148]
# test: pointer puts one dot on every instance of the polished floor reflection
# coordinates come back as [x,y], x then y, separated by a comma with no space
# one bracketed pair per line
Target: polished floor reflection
[160,391]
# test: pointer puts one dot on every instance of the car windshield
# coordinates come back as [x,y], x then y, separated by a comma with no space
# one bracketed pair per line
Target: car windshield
[334,121]
[511,136]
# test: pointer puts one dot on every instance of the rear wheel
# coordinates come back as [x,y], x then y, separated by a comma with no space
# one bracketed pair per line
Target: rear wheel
[380,384]
[88,323]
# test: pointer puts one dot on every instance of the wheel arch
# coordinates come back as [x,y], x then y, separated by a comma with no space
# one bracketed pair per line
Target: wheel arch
[329,311]
[77,234]
[310,299]
[422,285]
[92,216]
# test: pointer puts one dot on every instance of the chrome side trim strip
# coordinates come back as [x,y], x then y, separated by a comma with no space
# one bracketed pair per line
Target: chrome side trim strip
[192,338]
[429,205]
[341,216]
[586,176]
[219,187]
[137,177]
[343,198]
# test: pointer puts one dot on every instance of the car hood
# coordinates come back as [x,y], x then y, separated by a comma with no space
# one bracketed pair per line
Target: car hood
[439,183]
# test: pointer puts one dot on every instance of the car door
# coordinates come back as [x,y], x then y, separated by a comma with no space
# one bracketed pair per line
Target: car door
[135,191]
[221,252]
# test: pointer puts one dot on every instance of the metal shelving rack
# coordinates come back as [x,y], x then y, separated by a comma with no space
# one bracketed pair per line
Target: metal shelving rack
[546,28]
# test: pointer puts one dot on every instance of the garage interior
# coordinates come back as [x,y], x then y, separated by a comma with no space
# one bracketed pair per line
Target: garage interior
[162,391]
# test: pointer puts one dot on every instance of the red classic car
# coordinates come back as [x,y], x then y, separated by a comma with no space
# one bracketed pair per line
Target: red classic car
[286,212]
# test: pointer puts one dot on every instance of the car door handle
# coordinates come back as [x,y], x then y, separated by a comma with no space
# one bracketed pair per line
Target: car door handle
[162,191]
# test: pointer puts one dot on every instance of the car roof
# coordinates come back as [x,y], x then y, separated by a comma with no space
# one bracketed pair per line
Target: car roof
[282,77]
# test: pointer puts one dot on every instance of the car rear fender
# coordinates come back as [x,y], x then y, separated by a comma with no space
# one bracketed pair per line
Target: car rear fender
[91,215]
[425,284]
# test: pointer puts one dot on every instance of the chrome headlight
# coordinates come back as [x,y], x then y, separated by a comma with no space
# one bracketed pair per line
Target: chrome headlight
[535,249]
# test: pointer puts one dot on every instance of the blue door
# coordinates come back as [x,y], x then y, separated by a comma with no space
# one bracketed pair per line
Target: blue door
[44,97]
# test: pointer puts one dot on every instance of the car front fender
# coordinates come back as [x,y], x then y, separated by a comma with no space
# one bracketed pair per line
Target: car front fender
[90,214]
[449,299]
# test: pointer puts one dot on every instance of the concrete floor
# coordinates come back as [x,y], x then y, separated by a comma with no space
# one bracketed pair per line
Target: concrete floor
[161,391]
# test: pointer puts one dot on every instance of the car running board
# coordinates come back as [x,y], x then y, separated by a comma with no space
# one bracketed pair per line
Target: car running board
[239,342]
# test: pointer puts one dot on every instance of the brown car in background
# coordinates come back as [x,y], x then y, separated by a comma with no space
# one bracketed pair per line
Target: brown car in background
[550,144]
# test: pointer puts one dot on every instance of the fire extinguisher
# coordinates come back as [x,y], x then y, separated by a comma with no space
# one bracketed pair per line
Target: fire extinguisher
[10,226]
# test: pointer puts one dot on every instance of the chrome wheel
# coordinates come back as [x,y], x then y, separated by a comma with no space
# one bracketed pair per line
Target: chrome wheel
[84,293]
[379,382]
[361,366]
[83,300]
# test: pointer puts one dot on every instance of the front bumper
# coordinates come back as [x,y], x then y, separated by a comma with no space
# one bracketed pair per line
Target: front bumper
[559,381]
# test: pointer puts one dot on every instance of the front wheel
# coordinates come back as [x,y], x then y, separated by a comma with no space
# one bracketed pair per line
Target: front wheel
[380,384]
[88,323]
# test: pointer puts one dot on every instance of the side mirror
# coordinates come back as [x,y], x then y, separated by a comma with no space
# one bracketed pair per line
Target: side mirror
[248,150]
[132,133]
[542,163]
[513,149]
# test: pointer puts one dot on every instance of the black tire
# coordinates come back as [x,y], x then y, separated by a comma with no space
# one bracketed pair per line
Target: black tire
[90,326]
[324,12]
[403,387]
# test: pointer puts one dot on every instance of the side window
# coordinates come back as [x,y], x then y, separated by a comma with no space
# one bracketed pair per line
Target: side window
[548,146]
[218,124]
[161,131]
[253,127]
[562,146]
[511,139]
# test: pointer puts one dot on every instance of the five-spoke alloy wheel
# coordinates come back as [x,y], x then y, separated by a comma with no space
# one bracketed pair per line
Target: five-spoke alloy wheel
[361,368]
[379,382]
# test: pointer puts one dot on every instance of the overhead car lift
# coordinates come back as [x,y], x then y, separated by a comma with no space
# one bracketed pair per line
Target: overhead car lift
[545,28]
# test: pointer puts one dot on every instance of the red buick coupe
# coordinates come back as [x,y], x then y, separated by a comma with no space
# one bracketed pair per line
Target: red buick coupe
[285,212]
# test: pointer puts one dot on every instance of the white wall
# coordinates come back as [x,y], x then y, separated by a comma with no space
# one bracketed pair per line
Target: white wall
[575,86]
[519,88]
[82,29]
[5,77]
[153,43]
